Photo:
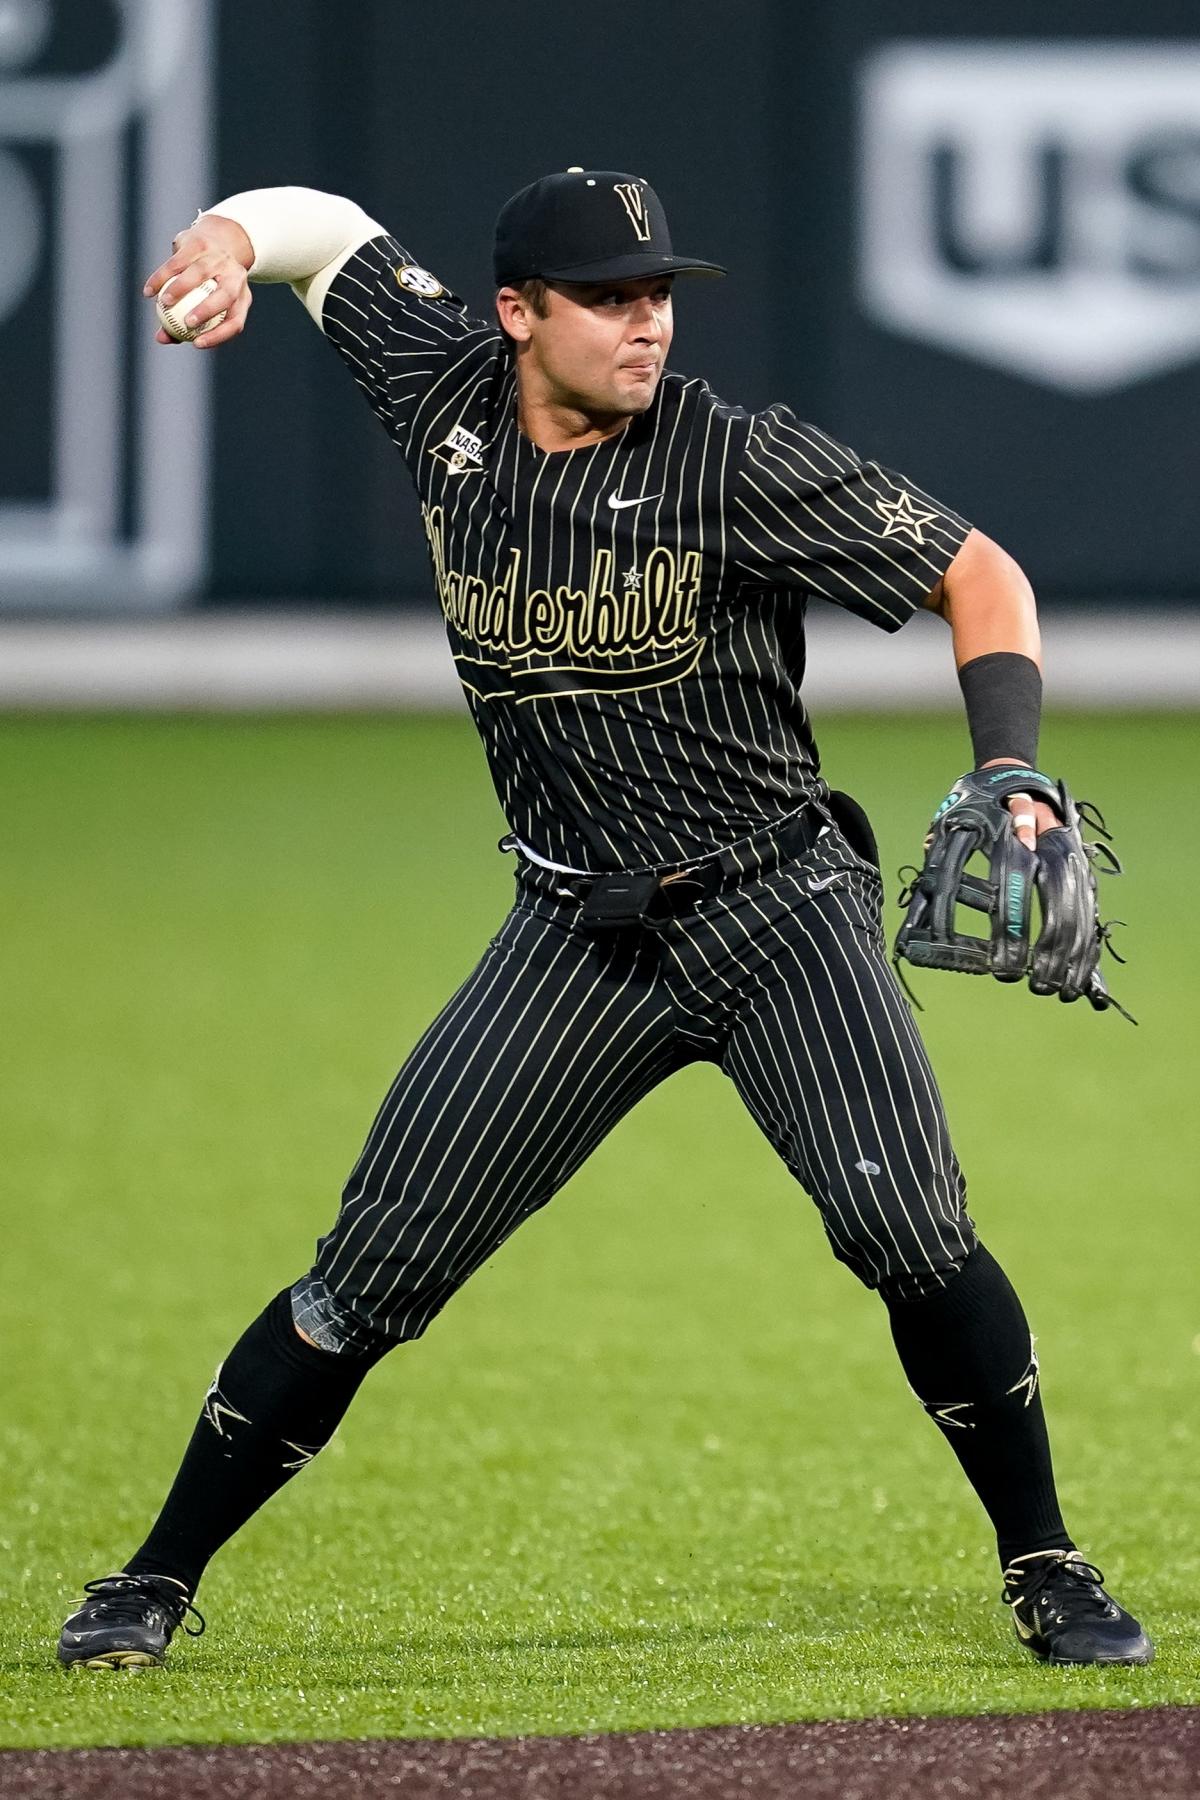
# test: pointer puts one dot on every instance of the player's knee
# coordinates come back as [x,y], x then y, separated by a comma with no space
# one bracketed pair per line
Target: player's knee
[332,1323]
[896,1277]
[903,1285]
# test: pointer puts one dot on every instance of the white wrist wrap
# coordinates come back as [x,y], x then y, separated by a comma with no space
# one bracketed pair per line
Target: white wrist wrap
[299,235]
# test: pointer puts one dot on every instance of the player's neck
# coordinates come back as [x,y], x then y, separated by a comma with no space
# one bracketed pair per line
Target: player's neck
[555,424]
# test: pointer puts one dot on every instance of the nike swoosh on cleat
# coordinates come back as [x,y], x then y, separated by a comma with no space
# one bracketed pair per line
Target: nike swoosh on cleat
[620,505]
[1024,1632]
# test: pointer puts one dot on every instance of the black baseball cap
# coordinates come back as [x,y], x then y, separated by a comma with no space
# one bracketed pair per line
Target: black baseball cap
[588,225]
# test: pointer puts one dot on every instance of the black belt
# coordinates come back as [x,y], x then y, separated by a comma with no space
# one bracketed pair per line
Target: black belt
[625,897]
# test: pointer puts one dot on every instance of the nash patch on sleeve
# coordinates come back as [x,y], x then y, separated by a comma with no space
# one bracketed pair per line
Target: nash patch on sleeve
[461,449]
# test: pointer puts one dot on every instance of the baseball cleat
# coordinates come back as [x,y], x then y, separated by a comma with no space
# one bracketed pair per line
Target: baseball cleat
[126,1622]
[1062,1613]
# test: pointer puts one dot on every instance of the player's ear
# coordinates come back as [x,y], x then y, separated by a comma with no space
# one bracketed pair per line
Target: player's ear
[513,311]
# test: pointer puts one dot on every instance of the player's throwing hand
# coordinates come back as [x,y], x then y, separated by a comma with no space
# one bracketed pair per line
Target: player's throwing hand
[213,249]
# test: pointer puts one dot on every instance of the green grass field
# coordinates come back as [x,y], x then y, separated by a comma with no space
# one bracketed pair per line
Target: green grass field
[657,1464]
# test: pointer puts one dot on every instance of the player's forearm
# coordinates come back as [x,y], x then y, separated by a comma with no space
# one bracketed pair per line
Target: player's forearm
[294,233]
[986,598]
[988,601]
[273,234]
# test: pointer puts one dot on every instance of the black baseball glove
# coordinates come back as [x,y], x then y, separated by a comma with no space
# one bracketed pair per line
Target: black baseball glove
[1064,956]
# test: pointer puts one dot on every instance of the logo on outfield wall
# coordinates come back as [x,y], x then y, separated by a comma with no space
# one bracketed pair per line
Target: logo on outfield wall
[1035,206]
[103,488]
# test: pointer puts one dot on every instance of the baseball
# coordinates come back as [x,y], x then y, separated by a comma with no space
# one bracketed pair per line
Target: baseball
[172,317]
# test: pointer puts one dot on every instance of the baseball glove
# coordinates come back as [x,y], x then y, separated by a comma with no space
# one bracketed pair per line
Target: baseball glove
[1063,958]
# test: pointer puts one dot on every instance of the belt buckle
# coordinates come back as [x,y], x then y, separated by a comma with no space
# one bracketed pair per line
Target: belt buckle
[674,888]
[617,901]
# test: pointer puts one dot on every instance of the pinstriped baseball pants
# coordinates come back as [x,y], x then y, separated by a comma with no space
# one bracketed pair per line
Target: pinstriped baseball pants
[783,981]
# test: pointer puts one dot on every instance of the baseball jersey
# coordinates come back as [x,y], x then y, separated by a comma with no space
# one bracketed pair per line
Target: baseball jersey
[627,619]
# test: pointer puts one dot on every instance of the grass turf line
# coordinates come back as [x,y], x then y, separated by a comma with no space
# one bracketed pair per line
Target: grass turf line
[656,1465]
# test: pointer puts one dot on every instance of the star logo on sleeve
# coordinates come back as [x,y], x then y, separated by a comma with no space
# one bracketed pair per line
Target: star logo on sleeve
[901,515]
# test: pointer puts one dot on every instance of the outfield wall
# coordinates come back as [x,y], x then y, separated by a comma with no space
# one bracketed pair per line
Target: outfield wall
[964,240]
[259,660]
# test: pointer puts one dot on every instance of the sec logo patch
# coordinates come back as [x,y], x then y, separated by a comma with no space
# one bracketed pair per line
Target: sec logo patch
[419,281]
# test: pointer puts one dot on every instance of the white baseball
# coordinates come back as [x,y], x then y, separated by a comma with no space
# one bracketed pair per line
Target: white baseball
[172,317]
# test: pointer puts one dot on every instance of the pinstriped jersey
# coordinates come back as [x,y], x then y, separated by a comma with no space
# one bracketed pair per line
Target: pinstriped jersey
[627,619]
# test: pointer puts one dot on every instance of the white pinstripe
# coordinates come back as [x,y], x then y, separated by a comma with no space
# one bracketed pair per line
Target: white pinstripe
[840,1066]
[474,1046]
[854,969]
[554,1037]
[777,511]
[603,1042]
[890,1007]
[818,1131]
[466,1174]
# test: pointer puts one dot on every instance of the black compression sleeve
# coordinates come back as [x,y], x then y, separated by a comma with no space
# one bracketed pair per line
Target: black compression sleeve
[1003,695]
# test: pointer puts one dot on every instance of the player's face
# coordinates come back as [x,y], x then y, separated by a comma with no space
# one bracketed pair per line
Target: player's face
[602,349]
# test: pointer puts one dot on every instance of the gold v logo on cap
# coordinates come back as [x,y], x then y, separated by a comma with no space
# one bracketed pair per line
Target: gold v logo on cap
[633,199]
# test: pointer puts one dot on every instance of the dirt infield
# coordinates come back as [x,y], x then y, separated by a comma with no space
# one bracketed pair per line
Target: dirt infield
[1049,1756]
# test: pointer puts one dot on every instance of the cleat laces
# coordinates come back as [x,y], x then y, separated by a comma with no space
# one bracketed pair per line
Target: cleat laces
[122,1599]
[1066,1590]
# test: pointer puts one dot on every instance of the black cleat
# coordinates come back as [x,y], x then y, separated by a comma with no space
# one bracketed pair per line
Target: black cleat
[126,1622]
[1062,1613]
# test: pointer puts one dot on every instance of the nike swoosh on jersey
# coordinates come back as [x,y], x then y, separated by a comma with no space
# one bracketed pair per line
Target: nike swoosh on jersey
[620,505]
[819,887]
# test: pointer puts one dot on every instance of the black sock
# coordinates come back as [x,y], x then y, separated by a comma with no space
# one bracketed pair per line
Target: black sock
[274,1402]
[969,1357]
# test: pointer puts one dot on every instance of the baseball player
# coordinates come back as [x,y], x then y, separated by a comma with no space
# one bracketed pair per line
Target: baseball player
[623,562]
